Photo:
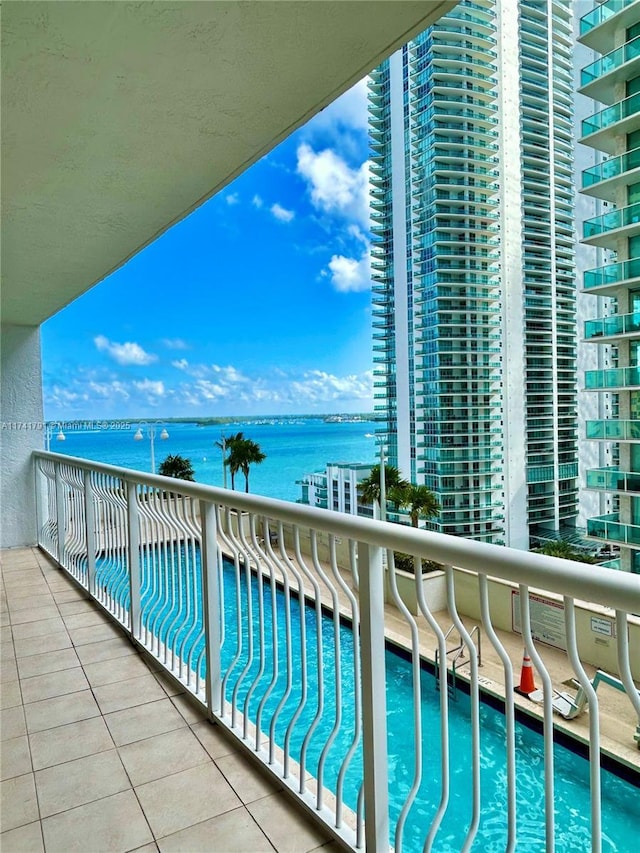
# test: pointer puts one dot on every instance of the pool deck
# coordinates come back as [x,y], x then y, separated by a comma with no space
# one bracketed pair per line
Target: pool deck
[99,752]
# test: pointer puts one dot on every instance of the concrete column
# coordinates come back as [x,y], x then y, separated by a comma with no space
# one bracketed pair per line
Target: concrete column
[21,431]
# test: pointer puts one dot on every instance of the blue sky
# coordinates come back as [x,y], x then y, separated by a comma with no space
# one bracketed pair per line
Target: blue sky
[257,303]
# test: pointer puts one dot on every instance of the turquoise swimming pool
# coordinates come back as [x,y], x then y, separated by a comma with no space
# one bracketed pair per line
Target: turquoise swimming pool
[250,682]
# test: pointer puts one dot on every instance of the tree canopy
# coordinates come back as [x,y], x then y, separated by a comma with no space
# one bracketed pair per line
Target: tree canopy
[419,500]
[178,467]
[565,550]
[226,443]
[369,488]
[243,453]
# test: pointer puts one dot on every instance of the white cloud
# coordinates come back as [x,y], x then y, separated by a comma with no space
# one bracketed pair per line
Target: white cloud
[349,275]
[175,343]
[282,213]
[151,387]
[108,390]
[349,110]
[229,374]
[335,187]
[180,364]
[127,353]
[320,387]
[256,201]
[218,389]
[211,390]
[232,198]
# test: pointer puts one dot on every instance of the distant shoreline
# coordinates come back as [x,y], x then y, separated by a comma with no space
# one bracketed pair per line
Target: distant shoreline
[329,417]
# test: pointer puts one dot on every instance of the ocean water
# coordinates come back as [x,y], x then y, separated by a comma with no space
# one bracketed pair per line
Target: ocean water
[293,448]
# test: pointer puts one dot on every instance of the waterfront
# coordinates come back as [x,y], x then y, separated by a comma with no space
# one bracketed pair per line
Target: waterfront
[294,447]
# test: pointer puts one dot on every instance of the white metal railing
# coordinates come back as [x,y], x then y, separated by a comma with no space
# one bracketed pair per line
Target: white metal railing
[243,600]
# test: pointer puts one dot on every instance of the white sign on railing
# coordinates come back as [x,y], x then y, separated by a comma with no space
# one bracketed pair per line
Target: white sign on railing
[606,627]
[547,619]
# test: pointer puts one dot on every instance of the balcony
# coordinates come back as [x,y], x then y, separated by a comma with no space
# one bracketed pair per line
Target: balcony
[612,480]
[607,178]
[603,129]
[607,229]
[121,756]
[210,586]
[599,80]
[609,528]
[606,280]
[598,27]
[614,378]
[613,430]
[616,326]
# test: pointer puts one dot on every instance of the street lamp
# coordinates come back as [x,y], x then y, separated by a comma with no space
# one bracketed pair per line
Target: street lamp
[151,434]
[59,437]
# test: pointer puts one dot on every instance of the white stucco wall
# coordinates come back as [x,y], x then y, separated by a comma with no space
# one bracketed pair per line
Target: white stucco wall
[20,432]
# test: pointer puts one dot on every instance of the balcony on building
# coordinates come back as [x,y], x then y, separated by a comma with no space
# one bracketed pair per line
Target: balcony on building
[613,430]
[599,80]
[610,529]
[124,118]
[598,27]
[606,230]
[603,129]
[607,179]
[605,280]
[611,479]
[612,328]
[614,378]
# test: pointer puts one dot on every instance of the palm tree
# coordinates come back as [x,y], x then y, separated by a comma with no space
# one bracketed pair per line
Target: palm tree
[369,488]
[243,453]
[225,444]
[560,548]
[419,500]
[178,467]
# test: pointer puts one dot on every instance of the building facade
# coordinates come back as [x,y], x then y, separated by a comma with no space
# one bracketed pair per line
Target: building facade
[337,488]
[612,80]
[474,300]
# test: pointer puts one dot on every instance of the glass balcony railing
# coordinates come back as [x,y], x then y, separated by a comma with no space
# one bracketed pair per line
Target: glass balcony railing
[601,14]
[613,480]
[610,62]
[612,274]
[609,527]
[609,116]
[546,473]
[612,430]
[618,324]
[618,377]
[611,564]
[611,168]
[613,220]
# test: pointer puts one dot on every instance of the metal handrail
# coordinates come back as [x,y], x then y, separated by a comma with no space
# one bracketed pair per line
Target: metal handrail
[149,550]
[608,587]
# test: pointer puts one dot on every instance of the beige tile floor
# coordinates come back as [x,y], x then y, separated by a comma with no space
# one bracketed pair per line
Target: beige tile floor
[100,753]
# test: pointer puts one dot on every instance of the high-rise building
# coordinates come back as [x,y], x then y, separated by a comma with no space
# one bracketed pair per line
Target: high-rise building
[612,29]
[473,267]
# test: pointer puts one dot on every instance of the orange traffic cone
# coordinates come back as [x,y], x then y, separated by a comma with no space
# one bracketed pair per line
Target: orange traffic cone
[526,685]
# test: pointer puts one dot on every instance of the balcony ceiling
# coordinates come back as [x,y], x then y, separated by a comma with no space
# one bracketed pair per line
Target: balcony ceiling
[120,118]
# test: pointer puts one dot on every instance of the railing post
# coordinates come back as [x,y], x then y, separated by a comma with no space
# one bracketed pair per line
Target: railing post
[40,502]
[60,499]
[89,520]
[211,603]
[133,527]
[374,698]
